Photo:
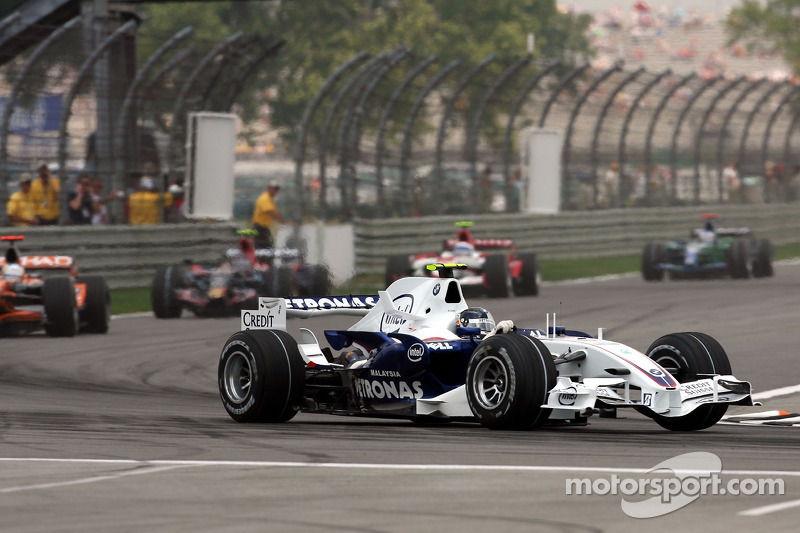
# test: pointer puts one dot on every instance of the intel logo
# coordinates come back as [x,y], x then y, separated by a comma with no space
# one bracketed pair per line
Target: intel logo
[415,353]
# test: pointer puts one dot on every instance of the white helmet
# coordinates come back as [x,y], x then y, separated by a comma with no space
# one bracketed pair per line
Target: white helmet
[476,317]
[13,272]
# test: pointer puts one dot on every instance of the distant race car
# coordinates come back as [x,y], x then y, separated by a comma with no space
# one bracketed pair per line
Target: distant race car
[420,352]
[709,252]
[245,274]
[44,292]
[494,267]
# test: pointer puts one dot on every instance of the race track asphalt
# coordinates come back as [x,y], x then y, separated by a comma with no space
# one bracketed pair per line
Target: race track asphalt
[126,432]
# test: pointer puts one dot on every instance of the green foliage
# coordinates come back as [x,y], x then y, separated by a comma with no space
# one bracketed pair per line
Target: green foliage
[772,23]
[323,35]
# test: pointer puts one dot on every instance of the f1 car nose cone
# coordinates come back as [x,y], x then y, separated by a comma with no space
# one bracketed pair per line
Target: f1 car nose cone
[216,293]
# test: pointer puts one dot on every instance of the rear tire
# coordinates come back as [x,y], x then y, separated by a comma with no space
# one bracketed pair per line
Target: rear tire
[653,254]
[508,379]
[278,281]
[60,308]
[162,295]
[737,260]
[687,355]
[762,264]
[529,277]
[397,266]
[496,277]
[321,283]
[261,376]
[95,317]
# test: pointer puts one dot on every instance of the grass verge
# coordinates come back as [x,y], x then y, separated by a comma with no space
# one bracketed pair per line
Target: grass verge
[138,299]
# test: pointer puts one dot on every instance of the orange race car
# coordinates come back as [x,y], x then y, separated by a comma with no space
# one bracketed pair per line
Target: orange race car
[45,292]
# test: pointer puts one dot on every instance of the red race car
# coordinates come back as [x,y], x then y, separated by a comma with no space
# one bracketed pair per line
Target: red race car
[494,267]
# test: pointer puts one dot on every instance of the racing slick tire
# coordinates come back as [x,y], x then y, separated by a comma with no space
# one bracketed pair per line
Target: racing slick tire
[397,267]
[162,295]
[737,260]
[95,317]
[687,356]
[278,281]
[496,277]
[508,379]
[529,277]
[316,281]
[261,376]
[60,308]
[653,254]
[762,264]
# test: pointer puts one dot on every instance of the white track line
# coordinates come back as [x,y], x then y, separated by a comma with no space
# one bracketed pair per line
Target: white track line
[766,509]
[395,466]
[774,393]
[93,479]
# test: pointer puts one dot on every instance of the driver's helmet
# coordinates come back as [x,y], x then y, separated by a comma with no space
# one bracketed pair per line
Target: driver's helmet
[463,249]
[706,236]
[13,272]
[476,317]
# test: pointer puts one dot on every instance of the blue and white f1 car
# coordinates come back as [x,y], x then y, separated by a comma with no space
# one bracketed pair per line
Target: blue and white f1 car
[420,352]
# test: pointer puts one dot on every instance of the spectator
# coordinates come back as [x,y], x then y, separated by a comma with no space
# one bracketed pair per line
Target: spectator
[794,184]
[82,206]
[45,191]
[144,203]
[176,189]
[639,192]
[515,188]
[730,176]
[608,188]
[485,190]
[21,207]
[265,216]
[101,211]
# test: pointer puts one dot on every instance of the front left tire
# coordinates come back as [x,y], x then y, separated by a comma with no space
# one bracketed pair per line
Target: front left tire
[508,379]
[60,308]
[261,376]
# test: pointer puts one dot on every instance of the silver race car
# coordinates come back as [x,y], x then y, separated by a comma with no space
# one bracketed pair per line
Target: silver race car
[420,352]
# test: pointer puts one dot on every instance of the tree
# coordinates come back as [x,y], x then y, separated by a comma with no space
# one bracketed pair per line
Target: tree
[774,23]
[322,35]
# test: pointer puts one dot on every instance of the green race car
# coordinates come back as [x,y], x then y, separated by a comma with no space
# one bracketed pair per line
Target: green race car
[709,252]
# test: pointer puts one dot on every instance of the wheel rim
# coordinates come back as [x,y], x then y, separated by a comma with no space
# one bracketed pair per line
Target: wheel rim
[238,377]
[490,382]
[672,365]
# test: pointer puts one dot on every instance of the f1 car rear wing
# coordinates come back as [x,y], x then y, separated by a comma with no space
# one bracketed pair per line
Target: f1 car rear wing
[733,232]
[272,312]
[46,262]
[284,254]
[482,244]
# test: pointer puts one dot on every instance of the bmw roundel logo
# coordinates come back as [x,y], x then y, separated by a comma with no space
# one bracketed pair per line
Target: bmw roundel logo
[656,372]
[436,289]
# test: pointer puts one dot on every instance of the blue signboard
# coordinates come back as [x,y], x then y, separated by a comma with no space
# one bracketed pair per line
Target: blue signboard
[44,115]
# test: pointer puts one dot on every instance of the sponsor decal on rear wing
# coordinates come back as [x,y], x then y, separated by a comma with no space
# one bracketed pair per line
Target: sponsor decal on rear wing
[484,243]
[277,253]
[272,312]
[44,261]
